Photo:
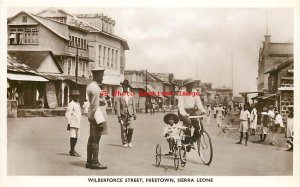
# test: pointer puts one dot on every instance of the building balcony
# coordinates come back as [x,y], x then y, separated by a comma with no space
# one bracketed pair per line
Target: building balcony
[72,51]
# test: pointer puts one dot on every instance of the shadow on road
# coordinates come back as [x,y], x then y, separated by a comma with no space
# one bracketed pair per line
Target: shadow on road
[115,145]
[79,164]
[63,154]
[166,167]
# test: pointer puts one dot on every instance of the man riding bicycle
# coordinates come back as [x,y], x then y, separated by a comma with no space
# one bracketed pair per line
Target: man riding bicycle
[189,104]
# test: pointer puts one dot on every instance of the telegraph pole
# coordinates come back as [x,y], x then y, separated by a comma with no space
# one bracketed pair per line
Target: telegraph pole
[76,68]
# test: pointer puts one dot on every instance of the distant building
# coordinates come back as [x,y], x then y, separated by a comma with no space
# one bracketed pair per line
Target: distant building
[281,86]
[270,55]
[224,95]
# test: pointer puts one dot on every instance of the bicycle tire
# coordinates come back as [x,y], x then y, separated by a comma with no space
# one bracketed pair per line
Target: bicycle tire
[158,155]
[182,155]
[204,146]
[176,159]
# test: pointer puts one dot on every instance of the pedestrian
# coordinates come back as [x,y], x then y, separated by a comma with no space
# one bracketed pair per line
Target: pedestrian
[208,114]
[126,113]
[220,114]
[244,124]
[73,114]
[278,120]
[188,105]
[253,120]
[153,107]
[215,111]
[96,129]
[172,130]
[86,106]
[290,129]
[271,114]
[265,121]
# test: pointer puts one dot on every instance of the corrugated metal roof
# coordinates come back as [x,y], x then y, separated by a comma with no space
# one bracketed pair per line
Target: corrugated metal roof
[15,65]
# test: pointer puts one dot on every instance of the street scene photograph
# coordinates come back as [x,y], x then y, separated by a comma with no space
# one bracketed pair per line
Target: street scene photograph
[107,91]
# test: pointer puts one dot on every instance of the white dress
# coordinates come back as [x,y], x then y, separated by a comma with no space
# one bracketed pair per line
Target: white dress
[253,123]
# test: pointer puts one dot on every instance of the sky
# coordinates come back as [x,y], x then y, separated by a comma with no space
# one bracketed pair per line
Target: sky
[201,43]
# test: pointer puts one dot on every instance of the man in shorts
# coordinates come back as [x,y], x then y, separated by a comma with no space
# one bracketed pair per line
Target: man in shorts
[244,124]
[265,121]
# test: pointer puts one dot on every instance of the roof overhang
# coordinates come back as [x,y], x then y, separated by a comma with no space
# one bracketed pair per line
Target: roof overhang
[25,77]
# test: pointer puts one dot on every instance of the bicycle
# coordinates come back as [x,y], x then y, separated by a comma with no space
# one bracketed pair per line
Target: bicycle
[204,144]
[182,145]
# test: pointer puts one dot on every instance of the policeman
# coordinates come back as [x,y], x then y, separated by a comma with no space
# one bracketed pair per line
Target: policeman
[96,130]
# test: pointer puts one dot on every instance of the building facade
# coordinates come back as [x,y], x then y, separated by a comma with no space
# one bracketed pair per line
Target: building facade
[270,55]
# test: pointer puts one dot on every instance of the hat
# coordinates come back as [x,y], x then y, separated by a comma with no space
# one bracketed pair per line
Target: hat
[265,109]
[97,69]
[125,82]
[188,81]
[170,115]
[74,92]
[271,106]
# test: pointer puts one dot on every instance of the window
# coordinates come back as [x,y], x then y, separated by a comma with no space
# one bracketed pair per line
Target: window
[83,69]
[104,51]
[23,36]
[99,57]
[108,55]
[69,65]
[116,59]
[24,19]
[112,59]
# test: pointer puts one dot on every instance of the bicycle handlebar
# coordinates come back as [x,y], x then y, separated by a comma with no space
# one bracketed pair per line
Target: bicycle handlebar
[196,117]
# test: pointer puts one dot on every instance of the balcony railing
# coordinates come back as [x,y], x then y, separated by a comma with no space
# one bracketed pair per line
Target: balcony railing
[72,51]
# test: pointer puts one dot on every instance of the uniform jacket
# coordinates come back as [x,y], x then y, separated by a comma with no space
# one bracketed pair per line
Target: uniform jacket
[73,114]
[93,92]
[122,107]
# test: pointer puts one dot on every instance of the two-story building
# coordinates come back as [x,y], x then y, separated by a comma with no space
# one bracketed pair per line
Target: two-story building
[31,33]
[270,55]
[106,49]
[281,85]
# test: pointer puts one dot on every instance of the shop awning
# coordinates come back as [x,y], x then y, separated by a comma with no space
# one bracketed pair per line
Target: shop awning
[266,96]
[23,77]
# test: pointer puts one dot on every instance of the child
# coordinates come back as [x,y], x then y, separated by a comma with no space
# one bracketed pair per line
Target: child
[73,115]
[172,130]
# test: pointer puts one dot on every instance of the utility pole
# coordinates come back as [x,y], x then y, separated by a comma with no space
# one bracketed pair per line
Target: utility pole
[76,68]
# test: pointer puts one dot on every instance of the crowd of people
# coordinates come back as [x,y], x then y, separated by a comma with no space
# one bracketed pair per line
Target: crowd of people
[271,121]
[95,110]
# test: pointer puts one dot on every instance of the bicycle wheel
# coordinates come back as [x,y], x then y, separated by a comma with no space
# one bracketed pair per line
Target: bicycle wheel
[205,149]
[182,155]
[158,155]
[176,159]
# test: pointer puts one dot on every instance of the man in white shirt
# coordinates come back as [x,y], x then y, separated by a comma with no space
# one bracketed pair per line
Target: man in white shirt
[244,124]
[189,104]
[73,115]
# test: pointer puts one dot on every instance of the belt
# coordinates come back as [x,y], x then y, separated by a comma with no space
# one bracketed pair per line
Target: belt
[243,120]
